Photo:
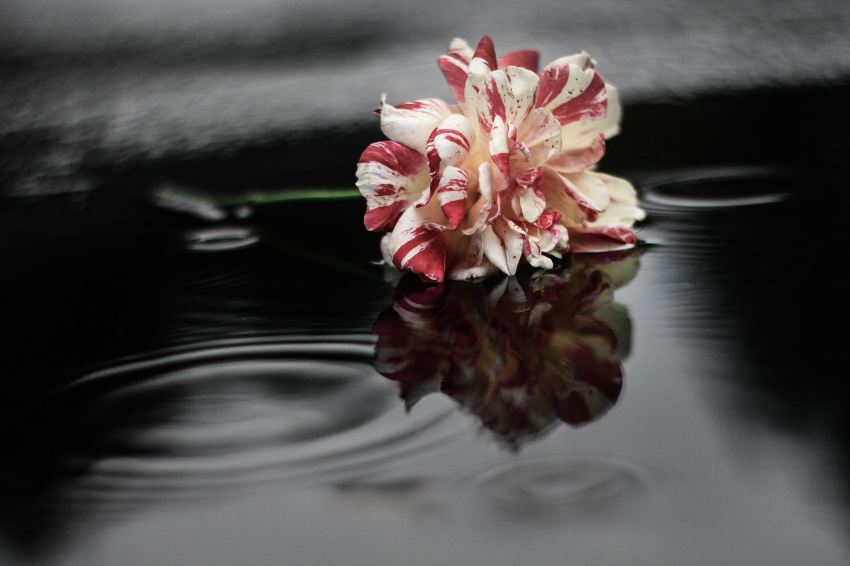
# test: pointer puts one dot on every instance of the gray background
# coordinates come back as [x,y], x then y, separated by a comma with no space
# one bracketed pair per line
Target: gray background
[95,81]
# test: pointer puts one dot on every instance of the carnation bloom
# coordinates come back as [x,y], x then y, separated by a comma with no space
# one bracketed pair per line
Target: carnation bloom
[505,174]
[521,353]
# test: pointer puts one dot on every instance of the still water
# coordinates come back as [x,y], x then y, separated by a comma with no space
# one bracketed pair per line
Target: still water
[248,385]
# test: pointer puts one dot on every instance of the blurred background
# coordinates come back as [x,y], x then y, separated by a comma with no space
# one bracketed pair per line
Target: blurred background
[110,85]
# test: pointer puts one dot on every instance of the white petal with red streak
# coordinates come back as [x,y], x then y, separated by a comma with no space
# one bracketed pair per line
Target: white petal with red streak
[500,150]
[572,89]
[390,176]
[418,248]
[588,190]
[449,143]
[455,66]
[578,159]
[540,134]
[411,123]
[503,245]
[451,195]
[507,93]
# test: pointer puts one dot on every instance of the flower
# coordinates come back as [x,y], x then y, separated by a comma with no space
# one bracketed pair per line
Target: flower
[521,353]
[464,190]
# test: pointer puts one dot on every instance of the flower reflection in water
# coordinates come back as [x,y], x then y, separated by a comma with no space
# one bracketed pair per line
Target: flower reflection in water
[521,354]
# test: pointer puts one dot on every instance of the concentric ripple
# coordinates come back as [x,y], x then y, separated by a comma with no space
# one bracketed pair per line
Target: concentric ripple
[718,188]
[561,481]
[220,239]
[245,411]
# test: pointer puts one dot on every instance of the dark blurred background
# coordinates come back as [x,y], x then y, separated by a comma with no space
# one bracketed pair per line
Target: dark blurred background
[104,86]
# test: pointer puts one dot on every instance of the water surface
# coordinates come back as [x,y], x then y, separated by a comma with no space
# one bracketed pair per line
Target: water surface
[248,385]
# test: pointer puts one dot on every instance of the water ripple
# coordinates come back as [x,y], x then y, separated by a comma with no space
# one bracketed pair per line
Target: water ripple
[237,412]
[561,481]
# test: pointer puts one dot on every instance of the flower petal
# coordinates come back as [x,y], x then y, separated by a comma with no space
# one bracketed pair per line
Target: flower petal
[449,143]
[500,150]
[486,51]
[623,209]
[417,246]
[601,239]
[526,58]
[559,200]
[483,209]
[451,195]
[540,136]
[470,262]
[578,159]
[572,89]
[390,176]
[411,123]
[503,242]
[589,191]
[455,66]
[530,199]
[508,94]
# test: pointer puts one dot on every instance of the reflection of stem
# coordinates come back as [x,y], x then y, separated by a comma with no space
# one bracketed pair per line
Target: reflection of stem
[185,198]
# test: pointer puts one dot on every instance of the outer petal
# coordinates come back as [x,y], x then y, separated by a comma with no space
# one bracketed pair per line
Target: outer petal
[411,123]
[590,192]
[527,59]
[612,229]
[486,51]
[390,176]
[455,66]
[575,160]
[417,246]
[572,89]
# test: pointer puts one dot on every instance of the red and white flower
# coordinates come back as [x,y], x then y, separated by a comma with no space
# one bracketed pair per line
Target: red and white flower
[504,175]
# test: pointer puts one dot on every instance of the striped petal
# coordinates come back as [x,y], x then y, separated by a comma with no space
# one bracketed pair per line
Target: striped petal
[530,199]
[505,93]
[527,59]
[572,89]
[417,243]
[451,195]
[612,229]
[449,143]
[390,176]
[455,66]
[411,123]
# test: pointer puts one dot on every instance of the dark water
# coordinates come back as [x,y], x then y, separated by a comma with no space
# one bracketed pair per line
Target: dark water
[246,385]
